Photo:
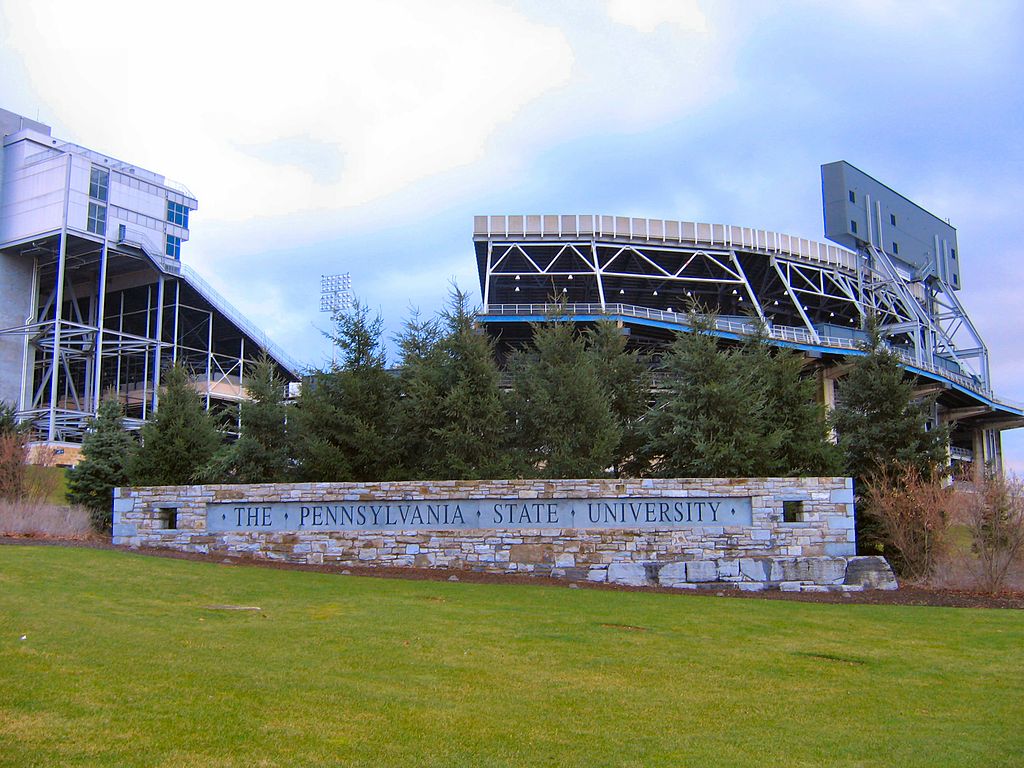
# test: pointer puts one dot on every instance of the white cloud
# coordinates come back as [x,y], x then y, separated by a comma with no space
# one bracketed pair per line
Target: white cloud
[269,111]
[648,15]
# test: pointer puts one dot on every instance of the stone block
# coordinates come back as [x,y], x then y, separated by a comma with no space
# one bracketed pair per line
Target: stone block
[817,570]
[597,574]
[790,586]
[701,570]
[844,496]
[751,586]
[628,574]
[840,522]
[754,570]
[123,505]
[672,574]
[870,572]
[841,549]
[125,529]
[531,553]
[412,549]
[565,561]
[728,569]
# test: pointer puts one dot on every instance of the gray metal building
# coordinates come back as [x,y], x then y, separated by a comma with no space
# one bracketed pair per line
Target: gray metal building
[94,299]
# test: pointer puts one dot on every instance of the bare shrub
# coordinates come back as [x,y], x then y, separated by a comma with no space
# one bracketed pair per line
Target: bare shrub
[12,466]
[993,513]
[913,511]
[35,518]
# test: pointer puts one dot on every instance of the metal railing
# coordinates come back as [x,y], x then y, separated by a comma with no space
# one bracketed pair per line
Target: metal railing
[669,231]
[225,307]
[138,239]
[783,333]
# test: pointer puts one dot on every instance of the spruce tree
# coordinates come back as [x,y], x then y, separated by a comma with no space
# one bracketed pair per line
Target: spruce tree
[260,454]
[179,440]
[421,385]
[564,422]
[877,420]
[797,432]
[471,440]
[710,420]
[106,451]
[452,420]
[345,415]
[625,378]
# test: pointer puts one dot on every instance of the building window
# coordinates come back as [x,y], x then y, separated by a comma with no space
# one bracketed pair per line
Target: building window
[892,219]
[895,247]
[97,219]
[173,248]
[952,253]
[792,511]
[99,180]
[853,226]
[955,281]
[177,214]
[853,196]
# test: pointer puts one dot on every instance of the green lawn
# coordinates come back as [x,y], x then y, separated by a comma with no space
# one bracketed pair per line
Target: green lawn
[126,664]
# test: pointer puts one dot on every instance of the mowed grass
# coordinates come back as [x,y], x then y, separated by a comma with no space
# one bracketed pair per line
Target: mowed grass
[125,663]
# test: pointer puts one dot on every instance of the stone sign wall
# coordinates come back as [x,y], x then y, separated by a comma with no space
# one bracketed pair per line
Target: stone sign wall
[751,533]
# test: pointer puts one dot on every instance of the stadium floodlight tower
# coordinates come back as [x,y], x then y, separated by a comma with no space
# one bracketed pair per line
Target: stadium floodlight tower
[336,293]
[892,261]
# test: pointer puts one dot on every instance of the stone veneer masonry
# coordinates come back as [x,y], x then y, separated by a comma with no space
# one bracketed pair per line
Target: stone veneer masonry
[816,553]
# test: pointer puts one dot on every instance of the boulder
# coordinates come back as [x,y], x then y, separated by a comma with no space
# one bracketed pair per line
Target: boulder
[870,572]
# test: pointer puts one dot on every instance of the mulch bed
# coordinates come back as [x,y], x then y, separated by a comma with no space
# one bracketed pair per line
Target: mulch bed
[907,594]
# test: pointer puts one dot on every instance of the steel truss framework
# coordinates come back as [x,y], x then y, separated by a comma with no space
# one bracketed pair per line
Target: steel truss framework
[798,295]
[105,320]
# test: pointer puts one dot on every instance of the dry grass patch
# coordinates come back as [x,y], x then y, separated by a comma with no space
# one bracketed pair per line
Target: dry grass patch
[27,517]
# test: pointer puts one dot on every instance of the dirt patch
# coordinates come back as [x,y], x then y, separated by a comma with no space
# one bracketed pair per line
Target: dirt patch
[907,594]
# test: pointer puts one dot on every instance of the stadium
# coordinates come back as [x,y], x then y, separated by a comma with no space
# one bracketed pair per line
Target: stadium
[890,259]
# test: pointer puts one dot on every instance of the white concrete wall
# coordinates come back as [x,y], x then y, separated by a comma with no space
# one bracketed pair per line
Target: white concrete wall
[32,200]
[15,301]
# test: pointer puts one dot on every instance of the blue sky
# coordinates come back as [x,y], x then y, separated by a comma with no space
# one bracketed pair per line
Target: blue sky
[363,137]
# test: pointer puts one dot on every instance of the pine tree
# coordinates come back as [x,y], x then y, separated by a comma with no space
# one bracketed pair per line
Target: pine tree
[626,380]
[564,423]
[711,420]
[471,440]
[106,451]
[261,453]
[797,436]
[421,384]
[451,414]
[877,420]
[345,416]
[179,440]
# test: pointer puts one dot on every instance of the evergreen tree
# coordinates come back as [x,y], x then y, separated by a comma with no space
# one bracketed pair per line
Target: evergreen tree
[877,420]
[9,421]
[344,417]
[564,422]
[452,418]
[711,419]
[626,380]
[179,440]
[260,454]
[471,440]
[106,450]
[797,429]
[421,384]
